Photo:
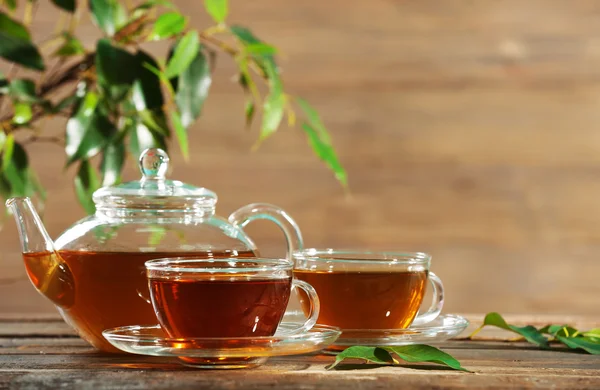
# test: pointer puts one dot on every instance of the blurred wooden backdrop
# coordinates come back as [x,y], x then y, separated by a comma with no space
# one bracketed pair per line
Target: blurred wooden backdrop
[470,129]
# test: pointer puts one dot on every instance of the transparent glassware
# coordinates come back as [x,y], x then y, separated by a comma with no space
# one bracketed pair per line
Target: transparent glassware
[249,296]
[384,289]
[94,272]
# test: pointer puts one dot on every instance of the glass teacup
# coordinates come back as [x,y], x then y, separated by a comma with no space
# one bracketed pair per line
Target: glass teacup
[369,290]
[200,298]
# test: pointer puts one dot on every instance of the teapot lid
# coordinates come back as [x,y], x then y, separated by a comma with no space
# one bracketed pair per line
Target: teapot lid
[154,191]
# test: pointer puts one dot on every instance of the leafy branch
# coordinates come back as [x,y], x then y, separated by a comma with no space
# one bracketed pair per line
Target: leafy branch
[417,353]
[120,99]
[544,337]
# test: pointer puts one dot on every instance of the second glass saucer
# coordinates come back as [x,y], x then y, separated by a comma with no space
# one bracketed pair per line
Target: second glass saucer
[440,329]
[225,352]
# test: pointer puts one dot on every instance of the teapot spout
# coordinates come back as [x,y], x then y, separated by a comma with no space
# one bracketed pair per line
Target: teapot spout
[33,234]
[47,271]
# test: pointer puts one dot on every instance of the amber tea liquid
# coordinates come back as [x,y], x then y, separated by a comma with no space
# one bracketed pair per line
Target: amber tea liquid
[104,289]
[366,300]
[220,305]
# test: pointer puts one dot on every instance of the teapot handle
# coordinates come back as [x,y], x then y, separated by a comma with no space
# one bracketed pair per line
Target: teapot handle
[246,214]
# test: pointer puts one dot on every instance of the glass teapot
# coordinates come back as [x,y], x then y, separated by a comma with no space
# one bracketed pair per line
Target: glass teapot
[94,272]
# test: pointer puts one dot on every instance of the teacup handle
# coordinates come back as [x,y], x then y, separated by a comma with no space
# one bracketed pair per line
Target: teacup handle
[246,214]
[313,312]
[436,303]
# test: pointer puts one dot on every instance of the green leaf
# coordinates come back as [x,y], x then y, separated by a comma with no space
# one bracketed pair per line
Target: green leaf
[370,354]
[16,46]
[326,153]
[155,3]
[78,124]
[593,334]
[115,65]
[109,15]
[2,142]
[156,121]
[314,119]
[11,4]
[181,133]
[141,138]
[22,113]
[20,52]
[88,131]
[7,150]
[563,330]
[584,343]
[71,47]
[273,107]
[67,5]
[217,9]
[4,84]
[113,159]
[23,90]
[529,332]
[247,38]
[167,25]
[425,353]
[185,52]
[320,141]
[86,182]
[192,89]
[16,171]
[147,92]
[13,28]
[249,112]
[260,49]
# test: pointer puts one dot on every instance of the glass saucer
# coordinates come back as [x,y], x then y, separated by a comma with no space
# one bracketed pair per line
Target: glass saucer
[442,328]
[225,352]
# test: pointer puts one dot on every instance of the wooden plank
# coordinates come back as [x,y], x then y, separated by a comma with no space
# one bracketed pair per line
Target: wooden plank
[38,328]
[45,362]
[494,364]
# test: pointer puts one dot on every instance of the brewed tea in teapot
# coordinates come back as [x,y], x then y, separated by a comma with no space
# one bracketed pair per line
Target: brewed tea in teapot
[94,272]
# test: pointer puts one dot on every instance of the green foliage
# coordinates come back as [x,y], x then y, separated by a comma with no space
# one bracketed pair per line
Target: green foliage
[417,353]
[22,113]
[115,66]
[185,52]
[109,15]
[86,182]
[320,141]
[529,332]
[120,99]
[168,25]
[67,5]
[567,335]
[16,45]
[193,84]
[218,9]
[71,46]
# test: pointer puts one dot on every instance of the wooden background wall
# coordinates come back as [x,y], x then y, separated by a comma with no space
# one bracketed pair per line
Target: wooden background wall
[470,129]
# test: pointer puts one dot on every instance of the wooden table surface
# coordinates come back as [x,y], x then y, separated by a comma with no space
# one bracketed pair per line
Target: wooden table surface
[41,352]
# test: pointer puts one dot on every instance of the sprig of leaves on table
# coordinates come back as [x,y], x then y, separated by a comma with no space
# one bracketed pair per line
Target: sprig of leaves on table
[418,353]
[120,98]
[544,337]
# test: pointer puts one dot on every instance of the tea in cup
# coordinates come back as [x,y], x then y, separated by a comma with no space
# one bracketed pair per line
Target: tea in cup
[369,290]
[225,298]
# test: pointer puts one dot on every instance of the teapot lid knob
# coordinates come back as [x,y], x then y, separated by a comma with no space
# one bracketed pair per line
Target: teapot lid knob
[154,163]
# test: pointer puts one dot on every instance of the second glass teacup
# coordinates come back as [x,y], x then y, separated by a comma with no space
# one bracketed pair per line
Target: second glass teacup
[369,290]
[200,298]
